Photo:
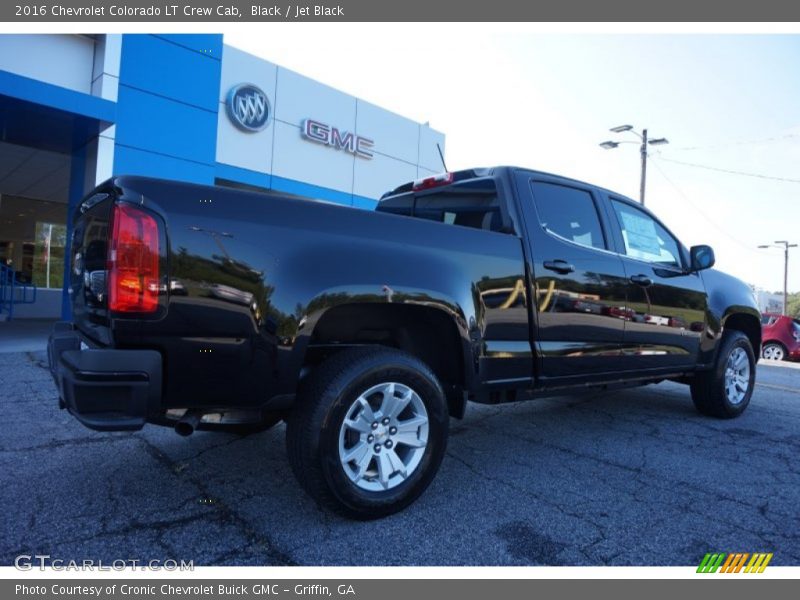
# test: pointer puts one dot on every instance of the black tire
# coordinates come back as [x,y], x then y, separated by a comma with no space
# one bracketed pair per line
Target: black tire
[327,397]
[708,388]
[774,346]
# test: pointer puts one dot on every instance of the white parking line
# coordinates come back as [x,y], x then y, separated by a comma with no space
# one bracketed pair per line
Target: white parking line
[779,363]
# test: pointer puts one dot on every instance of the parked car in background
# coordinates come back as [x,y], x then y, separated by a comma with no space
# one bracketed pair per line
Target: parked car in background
[781,337]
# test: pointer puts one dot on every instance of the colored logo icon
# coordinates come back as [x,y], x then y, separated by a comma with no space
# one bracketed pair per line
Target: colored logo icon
[735,562]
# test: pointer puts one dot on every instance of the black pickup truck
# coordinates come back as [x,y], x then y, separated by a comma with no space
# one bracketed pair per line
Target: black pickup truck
[214,308]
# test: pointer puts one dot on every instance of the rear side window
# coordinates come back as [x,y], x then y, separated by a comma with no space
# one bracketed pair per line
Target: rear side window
[469,204]
[569,213]
[645,238]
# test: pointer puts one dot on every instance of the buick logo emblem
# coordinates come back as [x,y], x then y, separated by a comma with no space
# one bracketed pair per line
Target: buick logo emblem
[248,107]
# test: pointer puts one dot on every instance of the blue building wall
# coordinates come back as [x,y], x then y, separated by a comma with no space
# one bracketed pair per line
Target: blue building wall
[162,95]
[167,106]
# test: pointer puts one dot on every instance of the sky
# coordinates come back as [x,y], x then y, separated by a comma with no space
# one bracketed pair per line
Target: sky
[507,95]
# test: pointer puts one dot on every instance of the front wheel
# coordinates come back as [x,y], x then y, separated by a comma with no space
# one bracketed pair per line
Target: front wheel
[726,389]
[368,432]
[773,351]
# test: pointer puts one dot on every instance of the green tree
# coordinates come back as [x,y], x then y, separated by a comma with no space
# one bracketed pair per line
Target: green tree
[793,305]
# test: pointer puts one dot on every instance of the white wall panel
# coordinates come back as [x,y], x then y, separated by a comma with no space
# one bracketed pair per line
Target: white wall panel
[246,150]
[379,175]
[299,98]
[423,172]
[235,147]
[105,74]
[428,154]
[404,150]
[301,160]
[241,67]
[393,135]
[63,60]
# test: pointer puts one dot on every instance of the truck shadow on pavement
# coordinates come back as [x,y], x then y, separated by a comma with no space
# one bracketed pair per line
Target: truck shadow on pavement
[626,477]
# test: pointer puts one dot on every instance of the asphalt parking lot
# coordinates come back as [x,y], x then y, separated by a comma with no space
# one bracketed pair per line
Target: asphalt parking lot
[623,478]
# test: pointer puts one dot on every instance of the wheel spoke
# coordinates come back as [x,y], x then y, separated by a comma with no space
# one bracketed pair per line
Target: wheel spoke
[356,453]
[363,465]
[392,405]
[385,469]
[409,439]
[361,423]
[388,398]
[366,410]
[397,464]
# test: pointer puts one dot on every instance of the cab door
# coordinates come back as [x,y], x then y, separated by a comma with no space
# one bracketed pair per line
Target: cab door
[666,304]
[579,283]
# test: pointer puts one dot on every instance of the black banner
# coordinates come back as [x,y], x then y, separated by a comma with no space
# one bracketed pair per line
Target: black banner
[392,589]
[241,11]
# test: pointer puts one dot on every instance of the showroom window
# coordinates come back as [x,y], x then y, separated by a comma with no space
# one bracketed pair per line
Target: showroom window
[33,235]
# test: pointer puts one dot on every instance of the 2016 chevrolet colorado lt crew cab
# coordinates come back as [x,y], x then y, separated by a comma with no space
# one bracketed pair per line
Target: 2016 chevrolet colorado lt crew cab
[215,308]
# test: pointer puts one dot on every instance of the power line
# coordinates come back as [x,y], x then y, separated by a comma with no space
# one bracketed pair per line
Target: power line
[731,171]
[779,138]
[713,222]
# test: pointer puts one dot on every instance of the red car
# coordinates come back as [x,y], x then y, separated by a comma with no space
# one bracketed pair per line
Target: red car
[780,337]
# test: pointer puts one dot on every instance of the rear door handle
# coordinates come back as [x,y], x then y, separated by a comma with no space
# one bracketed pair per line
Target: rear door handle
[559,266]
[642,280]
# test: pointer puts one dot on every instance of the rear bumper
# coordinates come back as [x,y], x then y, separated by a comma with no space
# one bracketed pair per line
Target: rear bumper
[105,389]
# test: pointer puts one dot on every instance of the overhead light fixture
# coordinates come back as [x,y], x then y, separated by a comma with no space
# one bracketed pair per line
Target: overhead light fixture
[658,141]
[609,145]
[621,128]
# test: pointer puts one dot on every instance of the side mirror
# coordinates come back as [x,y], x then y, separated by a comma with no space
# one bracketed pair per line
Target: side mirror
[701,257]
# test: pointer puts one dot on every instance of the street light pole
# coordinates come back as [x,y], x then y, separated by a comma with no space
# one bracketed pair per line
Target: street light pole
[785,245]
[643,151]
[645,141]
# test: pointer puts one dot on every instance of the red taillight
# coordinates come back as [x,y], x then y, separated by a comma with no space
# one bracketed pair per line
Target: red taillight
[133,261]
[432,182]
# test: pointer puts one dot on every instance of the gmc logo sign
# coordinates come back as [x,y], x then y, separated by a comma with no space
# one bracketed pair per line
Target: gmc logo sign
[322,133]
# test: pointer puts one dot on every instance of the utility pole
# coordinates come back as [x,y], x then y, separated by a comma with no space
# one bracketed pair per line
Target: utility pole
[785,245]
[642,150]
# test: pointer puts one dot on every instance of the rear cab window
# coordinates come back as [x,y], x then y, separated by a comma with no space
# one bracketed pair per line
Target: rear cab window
[471,203]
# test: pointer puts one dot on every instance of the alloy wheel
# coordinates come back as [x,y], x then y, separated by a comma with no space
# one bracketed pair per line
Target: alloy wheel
[383,436]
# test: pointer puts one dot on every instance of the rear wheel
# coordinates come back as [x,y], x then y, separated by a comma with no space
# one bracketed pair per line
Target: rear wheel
[368,432]
[773,351]
[725,390]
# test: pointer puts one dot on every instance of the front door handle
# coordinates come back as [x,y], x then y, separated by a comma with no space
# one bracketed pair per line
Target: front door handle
[559,266]
[642,280]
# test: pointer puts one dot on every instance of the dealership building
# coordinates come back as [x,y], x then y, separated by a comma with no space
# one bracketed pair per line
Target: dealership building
[77,109]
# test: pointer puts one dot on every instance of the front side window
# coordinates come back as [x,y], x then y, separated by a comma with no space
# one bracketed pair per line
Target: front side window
[569,213]
[645,239]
